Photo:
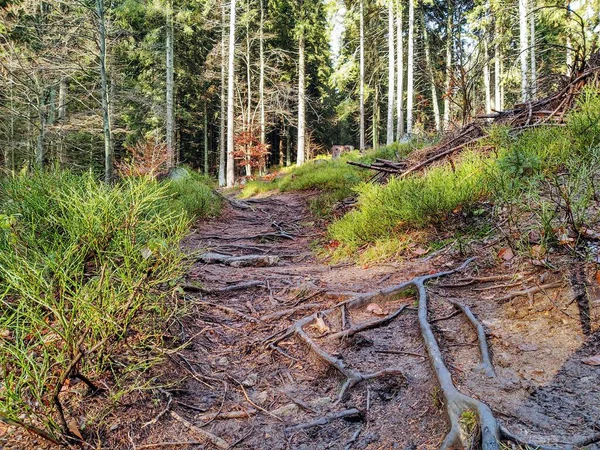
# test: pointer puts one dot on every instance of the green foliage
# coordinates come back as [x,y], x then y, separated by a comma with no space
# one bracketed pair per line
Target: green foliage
[584,122]
[84,276]
[194,195]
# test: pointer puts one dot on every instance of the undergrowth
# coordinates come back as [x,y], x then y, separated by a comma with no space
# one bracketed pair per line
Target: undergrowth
[547,172]
[194,195]
[87,279]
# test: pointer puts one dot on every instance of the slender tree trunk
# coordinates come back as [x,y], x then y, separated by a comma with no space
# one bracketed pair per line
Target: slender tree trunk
[301,102]
[249,127]
[362,77]
[206,146]
[533,69]
[410,93]
[170,87]
[400,76]
[497,71]
[448,81]
[62,99]
[502,87]
[391,67]
[39,152]
[523,47]
[288,146]
[428,62]
[486,76]
[222,132]
[375,125]
[108,153]
[230,98]
[261,81]
[281,153]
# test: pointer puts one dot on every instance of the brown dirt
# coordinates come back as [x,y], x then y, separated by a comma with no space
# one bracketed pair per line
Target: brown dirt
[542,391]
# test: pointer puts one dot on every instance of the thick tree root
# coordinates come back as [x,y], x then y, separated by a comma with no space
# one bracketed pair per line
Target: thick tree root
[239,261]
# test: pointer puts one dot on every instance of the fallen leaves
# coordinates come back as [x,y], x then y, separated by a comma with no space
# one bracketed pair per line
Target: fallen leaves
[506,254]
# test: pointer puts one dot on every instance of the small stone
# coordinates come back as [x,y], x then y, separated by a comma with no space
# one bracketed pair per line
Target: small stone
[260,397]
[250,380]
[286,410]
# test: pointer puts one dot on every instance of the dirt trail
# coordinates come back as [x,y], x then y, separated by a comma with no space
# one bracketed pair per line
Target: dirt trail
[542,391]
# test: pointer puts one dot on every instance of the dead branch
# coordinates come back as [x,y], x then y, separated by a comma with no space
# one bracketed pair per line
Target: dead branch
[163,412]
[230,288]
[229,310]
[366,326]
[351,413]
[529,291]
[199,432]
[227,415]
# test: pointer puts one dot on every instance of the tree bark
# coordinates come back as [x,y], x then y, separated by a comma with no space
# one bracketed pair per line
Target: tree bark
[497,72]
[206,146]
[533,69]
[411,61]
[230,98]
[486,76]
[261,81]
[62,99]
[301,101]
[391,67]
[400,76]
[375,125]
[39,151]
[249,128]
[523,47]
[222,132]
[170,125]
[362,76]
[108,153]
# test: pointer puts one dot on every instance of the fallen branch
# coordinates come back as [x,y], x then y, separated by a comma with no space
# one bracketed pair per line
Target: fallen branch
[203,434]
[532,290]
[239,261]
[230,288]
[366,326]
[227,415]
[351,413]
[163,412]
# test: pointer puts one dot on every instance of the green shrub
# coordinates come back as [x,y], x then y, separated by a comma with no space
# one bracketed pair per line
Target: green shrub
[194,197]
[84,276]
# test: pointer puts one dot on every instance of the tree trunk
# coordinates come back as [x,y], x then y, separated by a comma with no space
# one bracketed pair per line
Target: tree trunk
[230,98]
[222,132]
[170,125]
[362,77]
[497,72]
[62,99]
[400,76]
[39,151]
[108,154]
[523,46]
[301,102]
[391,67]
[288,146]
[249,128]
[429,64]
[261,81]
[533,69]
[448,81]
[411,61]
[375,125]
[206,146]
[486,76]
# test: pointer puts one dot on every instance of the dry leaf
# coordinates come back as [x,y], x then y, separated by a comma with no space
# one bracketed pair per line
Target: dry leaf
[74,428]
[321,325]
[592,360]
[537,251]
[3,429]
[506,254]
[374,308]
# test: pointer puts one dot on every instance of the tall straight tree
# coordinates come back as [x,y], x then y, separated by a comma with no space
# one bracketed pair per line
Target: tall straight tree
[429,63]
[230,98]
[106,126]
[523,47]
[301,88]
[170,84]
[261,80]
[498,103]
[391,67]
[410,88]
[400,75]
[361,95]
[448,80]
[533,68]
[222,132]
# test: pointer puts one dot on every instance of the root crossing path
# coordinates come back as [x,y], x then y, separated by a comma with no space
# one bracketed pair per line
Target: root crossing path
[286,352]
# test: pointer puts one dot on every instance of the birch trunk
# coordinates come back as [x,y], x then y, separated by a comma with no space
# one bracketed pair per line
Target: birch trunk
[400,76]
[375,125]
[362,77]
[249,127]
[391,67]
[497,71]
[261,81]
[230,98]
[222,132]
[523,47]
[533,69]
[62,99]
[170,87]
[410,76]
[39,151]
[486,77]
[206,146]
[108,154]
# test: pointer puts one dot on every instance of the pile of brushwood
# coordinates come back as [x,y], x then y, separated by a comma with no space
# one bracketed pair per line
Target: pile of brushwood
[548,111]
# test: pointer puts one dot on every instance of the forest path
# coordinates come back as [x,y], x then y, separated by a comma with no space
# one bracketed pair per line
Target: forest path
[247,393]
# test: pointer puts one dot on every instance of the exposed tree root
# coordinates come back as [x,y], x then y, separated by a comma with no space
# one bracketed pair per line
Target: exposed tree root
[365,326]
[233,287]
[351,413]
[200,433]
[529,291]
[239,261]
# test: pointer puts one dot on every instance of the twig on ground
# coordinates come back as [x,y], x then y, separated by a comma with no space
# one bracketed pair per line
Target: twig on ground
[231,288]
[529,291]
[163,412]
[203,434]
[352,413]
[228,310]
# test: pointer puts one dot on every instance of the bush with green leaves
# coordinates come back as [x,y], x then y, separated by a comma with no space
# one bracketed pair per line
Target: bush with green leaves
[86,281]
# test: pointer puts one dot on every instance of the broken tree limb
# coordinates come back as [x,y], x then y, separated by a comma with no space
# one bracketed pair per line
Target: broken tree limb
[200,433]
[486,362]
[239,261]
[351,413]
[230,288]
[529,291]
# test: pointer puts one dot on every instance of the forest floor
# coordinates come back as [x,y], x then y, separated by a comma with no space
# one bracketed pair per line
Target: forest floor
[240,392]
